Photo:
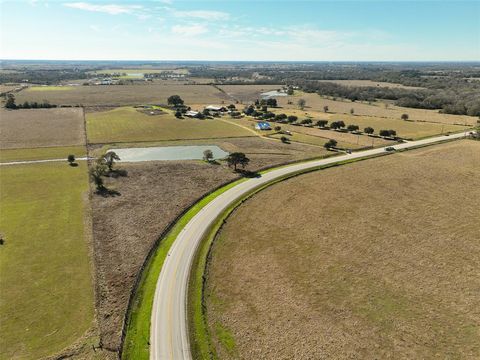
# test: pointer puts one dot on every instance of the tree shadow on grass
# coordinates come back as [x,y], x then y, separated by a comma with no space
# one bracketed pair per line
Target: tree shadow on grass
[104,192]
[74,164]
[248,173]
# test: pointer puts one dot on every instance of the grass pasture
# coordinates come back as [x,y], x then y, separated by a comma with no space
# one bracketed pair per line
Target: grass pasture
[42,153]
[41,128]
[387,269]
[315,103]
[118,95]
[126,124]
[50,88]
[46,298]
[405,129]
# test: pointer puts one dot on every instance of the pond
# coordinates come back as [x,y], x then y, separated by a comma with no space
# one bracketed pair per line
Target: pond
[193,152]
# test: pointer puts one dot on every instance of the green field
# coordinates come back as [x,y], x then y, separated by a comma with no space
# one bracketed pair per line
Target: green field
[126,124]
[47,300]
[49,88]
[59,152]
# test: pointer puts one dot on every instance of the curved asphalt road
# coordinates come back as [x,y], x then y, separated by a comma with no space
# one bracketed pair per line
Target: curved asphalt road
[169,337]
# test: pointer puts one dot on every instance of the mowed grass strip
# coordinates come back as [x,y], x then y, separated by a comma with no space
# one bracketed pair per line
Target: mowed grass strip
[126,124]
[8,155]
[46,298]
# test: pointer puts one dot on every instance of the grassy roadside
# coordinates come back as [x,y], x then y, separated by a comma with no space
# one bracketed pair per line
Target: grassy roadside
[136,344]
[198,331]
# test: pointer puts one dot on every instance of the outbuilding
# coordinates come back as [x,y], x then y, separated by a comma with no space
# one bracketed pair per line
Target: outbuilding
[263,125]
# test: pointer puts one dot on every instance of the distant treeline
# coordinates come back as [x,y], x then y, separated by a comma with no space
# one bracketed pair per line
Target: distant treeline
[452,88]
[459,101]
[44,77]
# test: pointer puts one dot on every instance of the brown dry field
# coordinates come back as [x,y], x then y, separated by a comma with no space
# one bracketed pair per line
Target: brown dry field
[377,259]
[118,95]
[371,83]
[150,197]
[247,93]
[41,128]
[316,103]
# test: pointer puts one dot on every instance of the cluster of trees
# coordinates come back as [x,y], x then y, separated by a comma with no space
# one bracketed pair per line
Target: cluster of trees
[102,167]
[11,104]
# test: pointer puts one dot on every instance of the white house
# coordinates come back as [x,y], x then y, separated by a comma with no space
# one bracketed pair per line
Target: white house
[192,113]
[216,108]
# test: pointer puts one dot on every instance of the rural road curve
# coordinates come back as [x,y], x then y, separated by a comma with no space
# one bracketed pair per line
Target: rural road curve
[169,338]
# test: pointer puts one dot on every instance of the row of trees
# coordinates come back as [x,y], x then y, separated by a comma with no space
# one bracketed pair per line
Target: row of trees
[11,104]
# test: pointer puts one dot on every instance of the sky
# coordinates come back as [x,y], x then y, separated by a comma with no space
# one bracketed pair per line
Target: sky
[242,30]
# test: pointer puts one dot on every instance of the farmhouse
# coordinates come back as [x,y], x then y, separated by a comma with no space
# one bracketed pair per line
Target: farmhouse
[192,113]
[216,108]
[262,125]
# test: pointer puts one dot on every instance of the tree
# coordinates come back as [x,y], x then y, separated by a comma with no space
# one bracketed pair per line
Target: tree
[301,103]
[330,144]
[96,172]
[292,118]
[231,107]
[325,108]
[10,103]
[352,111]
[178,114]
[175,100]
[277,128]
[369,130]
[110,158]
[386,133]
[290,90]
[284,140]
[237,158]
[71,159]
[249,110]
[280,117]
[337,124]
[208,155]
[352,127]
[306,121]
[404,117]
[322,123]
[272,102]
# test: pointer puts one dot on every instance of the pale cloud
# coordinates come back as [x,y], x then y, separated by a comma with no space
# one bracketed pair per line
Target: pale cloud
[95,28]
[112,9]
[201,14]
[189,30]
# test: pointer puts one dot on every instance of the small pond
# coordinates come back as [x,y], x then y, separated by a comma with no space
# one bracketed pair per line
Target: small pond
[193,152]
